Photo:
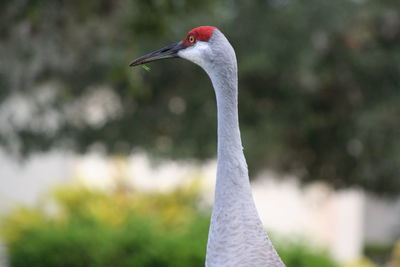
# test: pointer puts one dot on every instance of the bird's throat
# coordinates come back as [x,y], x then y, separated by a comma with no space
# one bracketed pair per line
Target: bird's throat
[232,167]
[229,141]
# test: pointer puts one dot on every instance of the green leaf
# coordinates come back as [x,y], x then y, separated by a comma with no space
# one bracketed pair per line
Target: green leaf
[145,67]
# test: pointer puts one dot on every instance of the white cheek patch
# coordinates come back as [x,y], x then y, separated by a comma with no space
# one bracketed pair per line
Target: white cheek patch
[196,53]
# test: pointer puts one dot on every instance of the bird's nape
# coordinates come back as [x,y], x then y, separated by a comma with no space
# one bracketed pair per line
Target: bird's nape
[169,51]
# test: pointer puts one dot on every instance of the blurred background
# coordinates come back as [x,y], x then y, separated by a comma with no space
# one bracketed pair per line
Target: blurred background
[105,165]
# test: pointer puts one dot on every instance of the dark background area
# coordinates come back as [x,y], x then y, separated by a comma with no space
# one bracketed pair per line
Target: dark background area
[318,83]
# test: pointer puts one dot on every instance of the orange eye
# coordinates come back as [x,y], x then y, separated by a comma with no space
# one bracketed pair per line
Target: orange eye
[191,39]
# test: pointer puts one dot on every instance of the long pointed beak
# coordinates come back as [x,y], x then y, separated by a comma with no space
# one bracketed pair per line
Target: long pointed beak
[170,51]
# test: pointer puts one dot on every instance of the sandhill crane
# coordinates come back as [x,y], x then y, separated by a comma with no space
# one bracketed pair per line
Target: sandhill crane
[236,236]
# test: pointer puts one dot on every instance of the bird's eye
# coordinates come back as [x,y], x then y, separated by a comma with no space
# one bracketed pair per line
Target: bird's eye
[191,39]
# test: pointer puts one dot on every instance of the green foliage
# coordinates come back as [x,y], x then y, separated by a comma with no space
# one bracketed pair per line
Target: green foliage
[81,227]
[139,242]
[378,253]
[298,253]
[98,229]
[319,83]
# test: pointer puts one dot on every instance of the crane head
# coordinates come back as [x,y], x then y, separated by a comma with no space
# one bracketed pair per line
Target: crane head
[194,47]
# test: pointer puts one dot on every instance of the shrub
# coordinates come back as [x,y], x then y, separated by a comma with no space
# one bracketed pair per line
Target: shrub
[97,229]
[297,253]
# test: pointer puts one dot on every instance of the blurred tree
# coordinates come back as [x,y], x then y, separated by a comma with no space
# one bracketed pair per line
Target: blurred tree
[332,73]
[319,83]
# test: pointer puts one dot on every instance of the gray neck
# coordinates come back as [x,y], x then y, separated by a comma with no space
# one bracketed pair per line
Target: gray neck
[237,236]
[229,141]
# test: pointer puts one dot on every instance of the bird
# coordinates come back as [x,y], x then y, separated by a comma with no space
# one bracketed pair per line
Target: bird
[236,235]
